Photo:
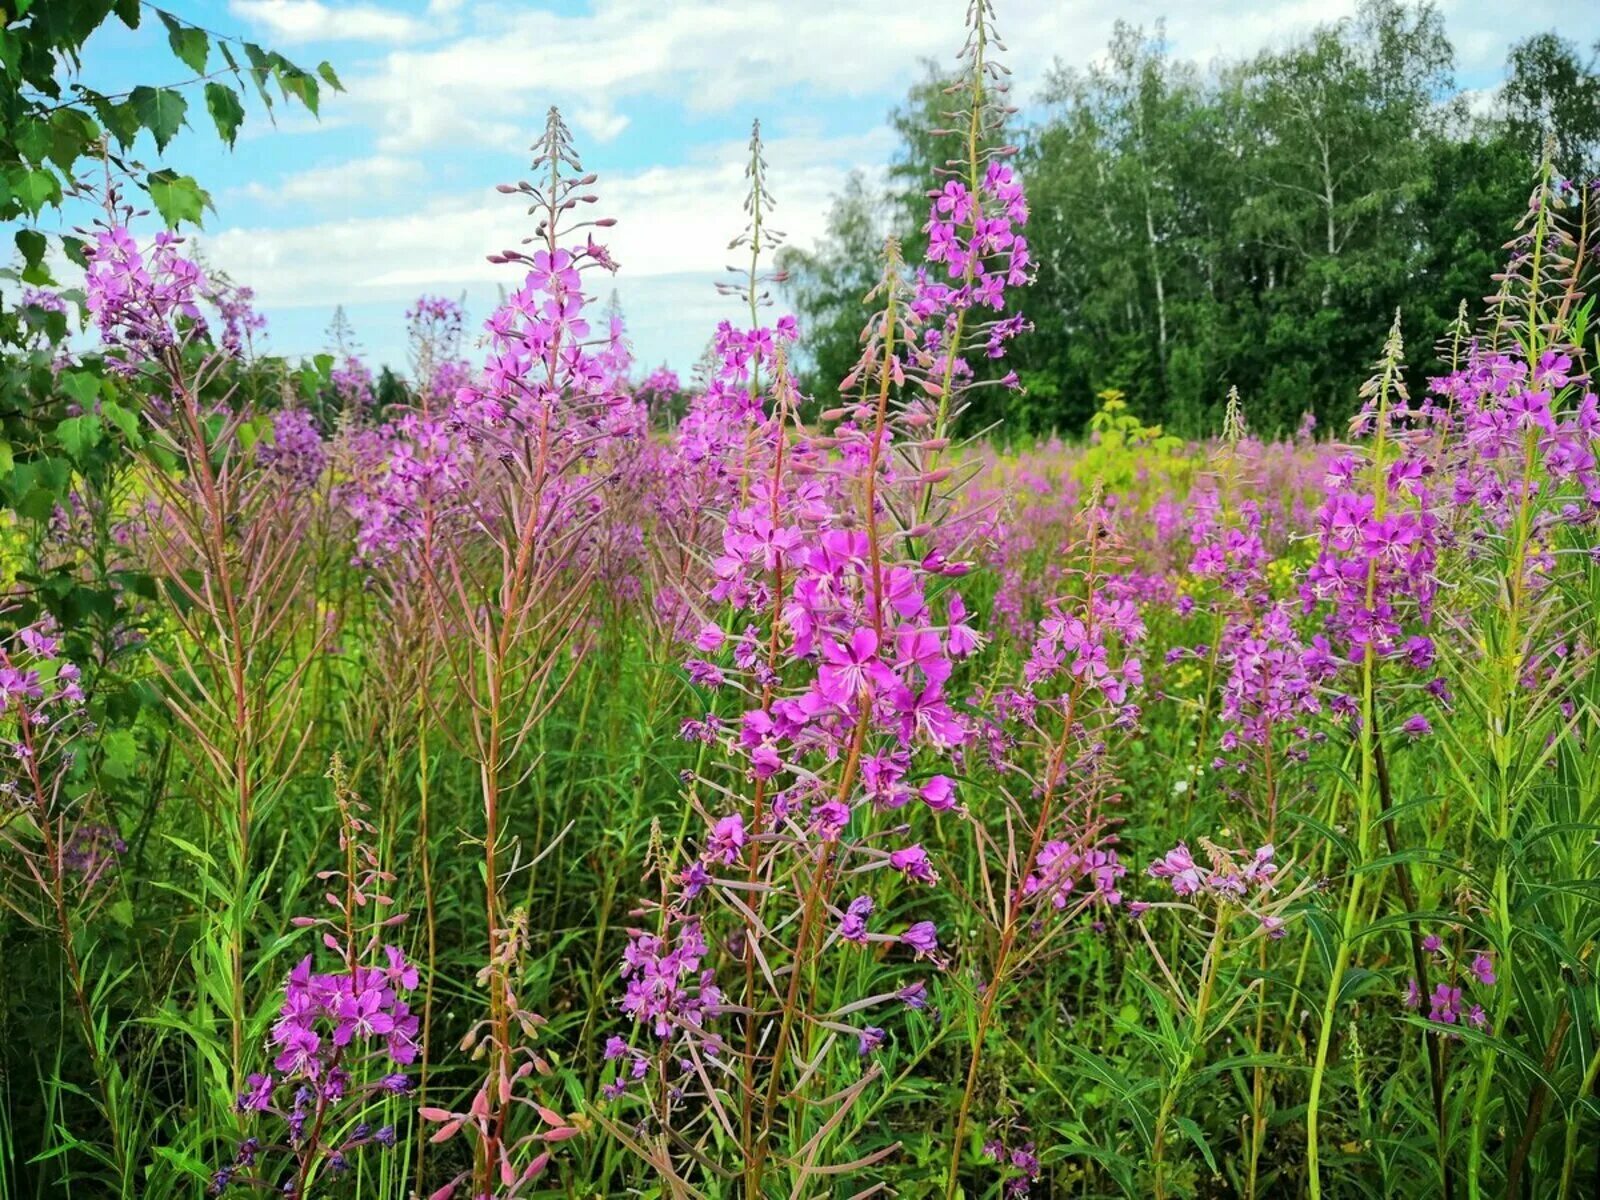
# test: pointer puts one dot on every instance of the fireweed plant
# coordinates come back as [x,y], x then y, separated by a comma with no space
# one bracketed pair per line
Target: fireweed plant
[1220,889]
[62,860]
[221,534]
[745,793]
[343,1038]
[535,435]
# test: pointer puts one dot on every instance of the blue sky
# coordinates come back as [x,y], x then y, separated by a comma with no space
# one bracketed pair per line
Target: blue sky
[391,194]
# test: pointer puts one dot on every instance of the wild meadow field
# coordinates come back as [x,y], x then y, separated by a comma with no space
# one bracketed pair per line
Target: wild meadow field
[542,776]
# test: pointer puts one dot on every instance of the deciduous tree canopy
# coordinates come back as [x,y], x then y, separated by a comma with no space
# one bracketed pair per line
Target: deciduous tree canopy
[1251,223]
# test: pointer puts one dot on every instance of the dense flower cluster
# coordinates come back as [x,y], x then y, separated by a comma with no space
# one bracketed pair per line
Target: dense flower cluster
[295,451]
[1460,971]
[975,237]
[666,985]
[1225,878]
[139,300]
[1020,1163]
[1271,683]
[934,701]
[342,1036]
[1378,535]
[147,301]
[324,1013]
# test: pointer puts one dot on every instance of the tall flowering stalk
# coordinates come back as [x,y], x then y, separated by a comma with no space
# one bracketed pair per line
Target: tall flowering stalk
[1524,473]
[838,660]
[53,843]
[1223,886]
[1377,574]
[975,249]
[1077,688]
[759,237]
[225,538]
[509,595]
[342,1039]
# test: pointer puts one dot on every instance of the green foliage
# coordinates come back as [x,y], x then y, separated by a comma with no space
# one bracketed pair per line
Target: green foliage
[829,282]
[54,125]
[222,102]
[1121,447]
[1252,223]
[1553,91]
[160,110]
[1138,1058]
[177,198]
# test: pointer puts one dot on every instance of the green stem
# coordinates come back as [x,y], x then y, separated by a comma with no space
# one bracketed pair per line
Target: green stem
[1196,1040]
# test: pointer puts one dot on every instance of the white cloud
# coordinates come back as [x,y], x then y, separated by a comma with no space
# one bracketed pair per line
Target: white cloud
[671,221]
[710,55]
[473,78]
[355,180]
[716,55]
[296,121]
[291,21]
[1481,102]
[600,122]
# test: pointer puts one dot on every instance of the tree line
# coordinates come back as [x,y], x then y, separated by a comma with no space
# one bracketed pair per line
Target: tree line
[1251,223]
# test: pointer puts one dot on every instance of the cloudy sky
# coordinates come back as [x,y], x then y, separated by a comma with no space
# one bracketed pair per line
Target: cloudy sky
[391,194]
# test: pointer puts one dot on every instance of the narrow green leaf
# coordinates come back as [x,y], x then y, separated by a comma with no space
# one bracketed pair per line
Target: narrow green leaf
[1196,1135]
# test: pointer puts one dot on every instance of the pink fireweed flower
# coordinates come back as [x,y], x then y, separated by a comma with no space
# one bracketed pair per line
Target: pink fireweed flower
[39,643]
[1416,726]
[848,670]
[138,303]
[922,937]
[666,987]
[363,1014]
[1230,877]
[1178,867]
[1061,867]
[938,792]
[829,819]
[912,862]
[924,714]
[1445,1004]
[914,996]
[853,926]
[727,839]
